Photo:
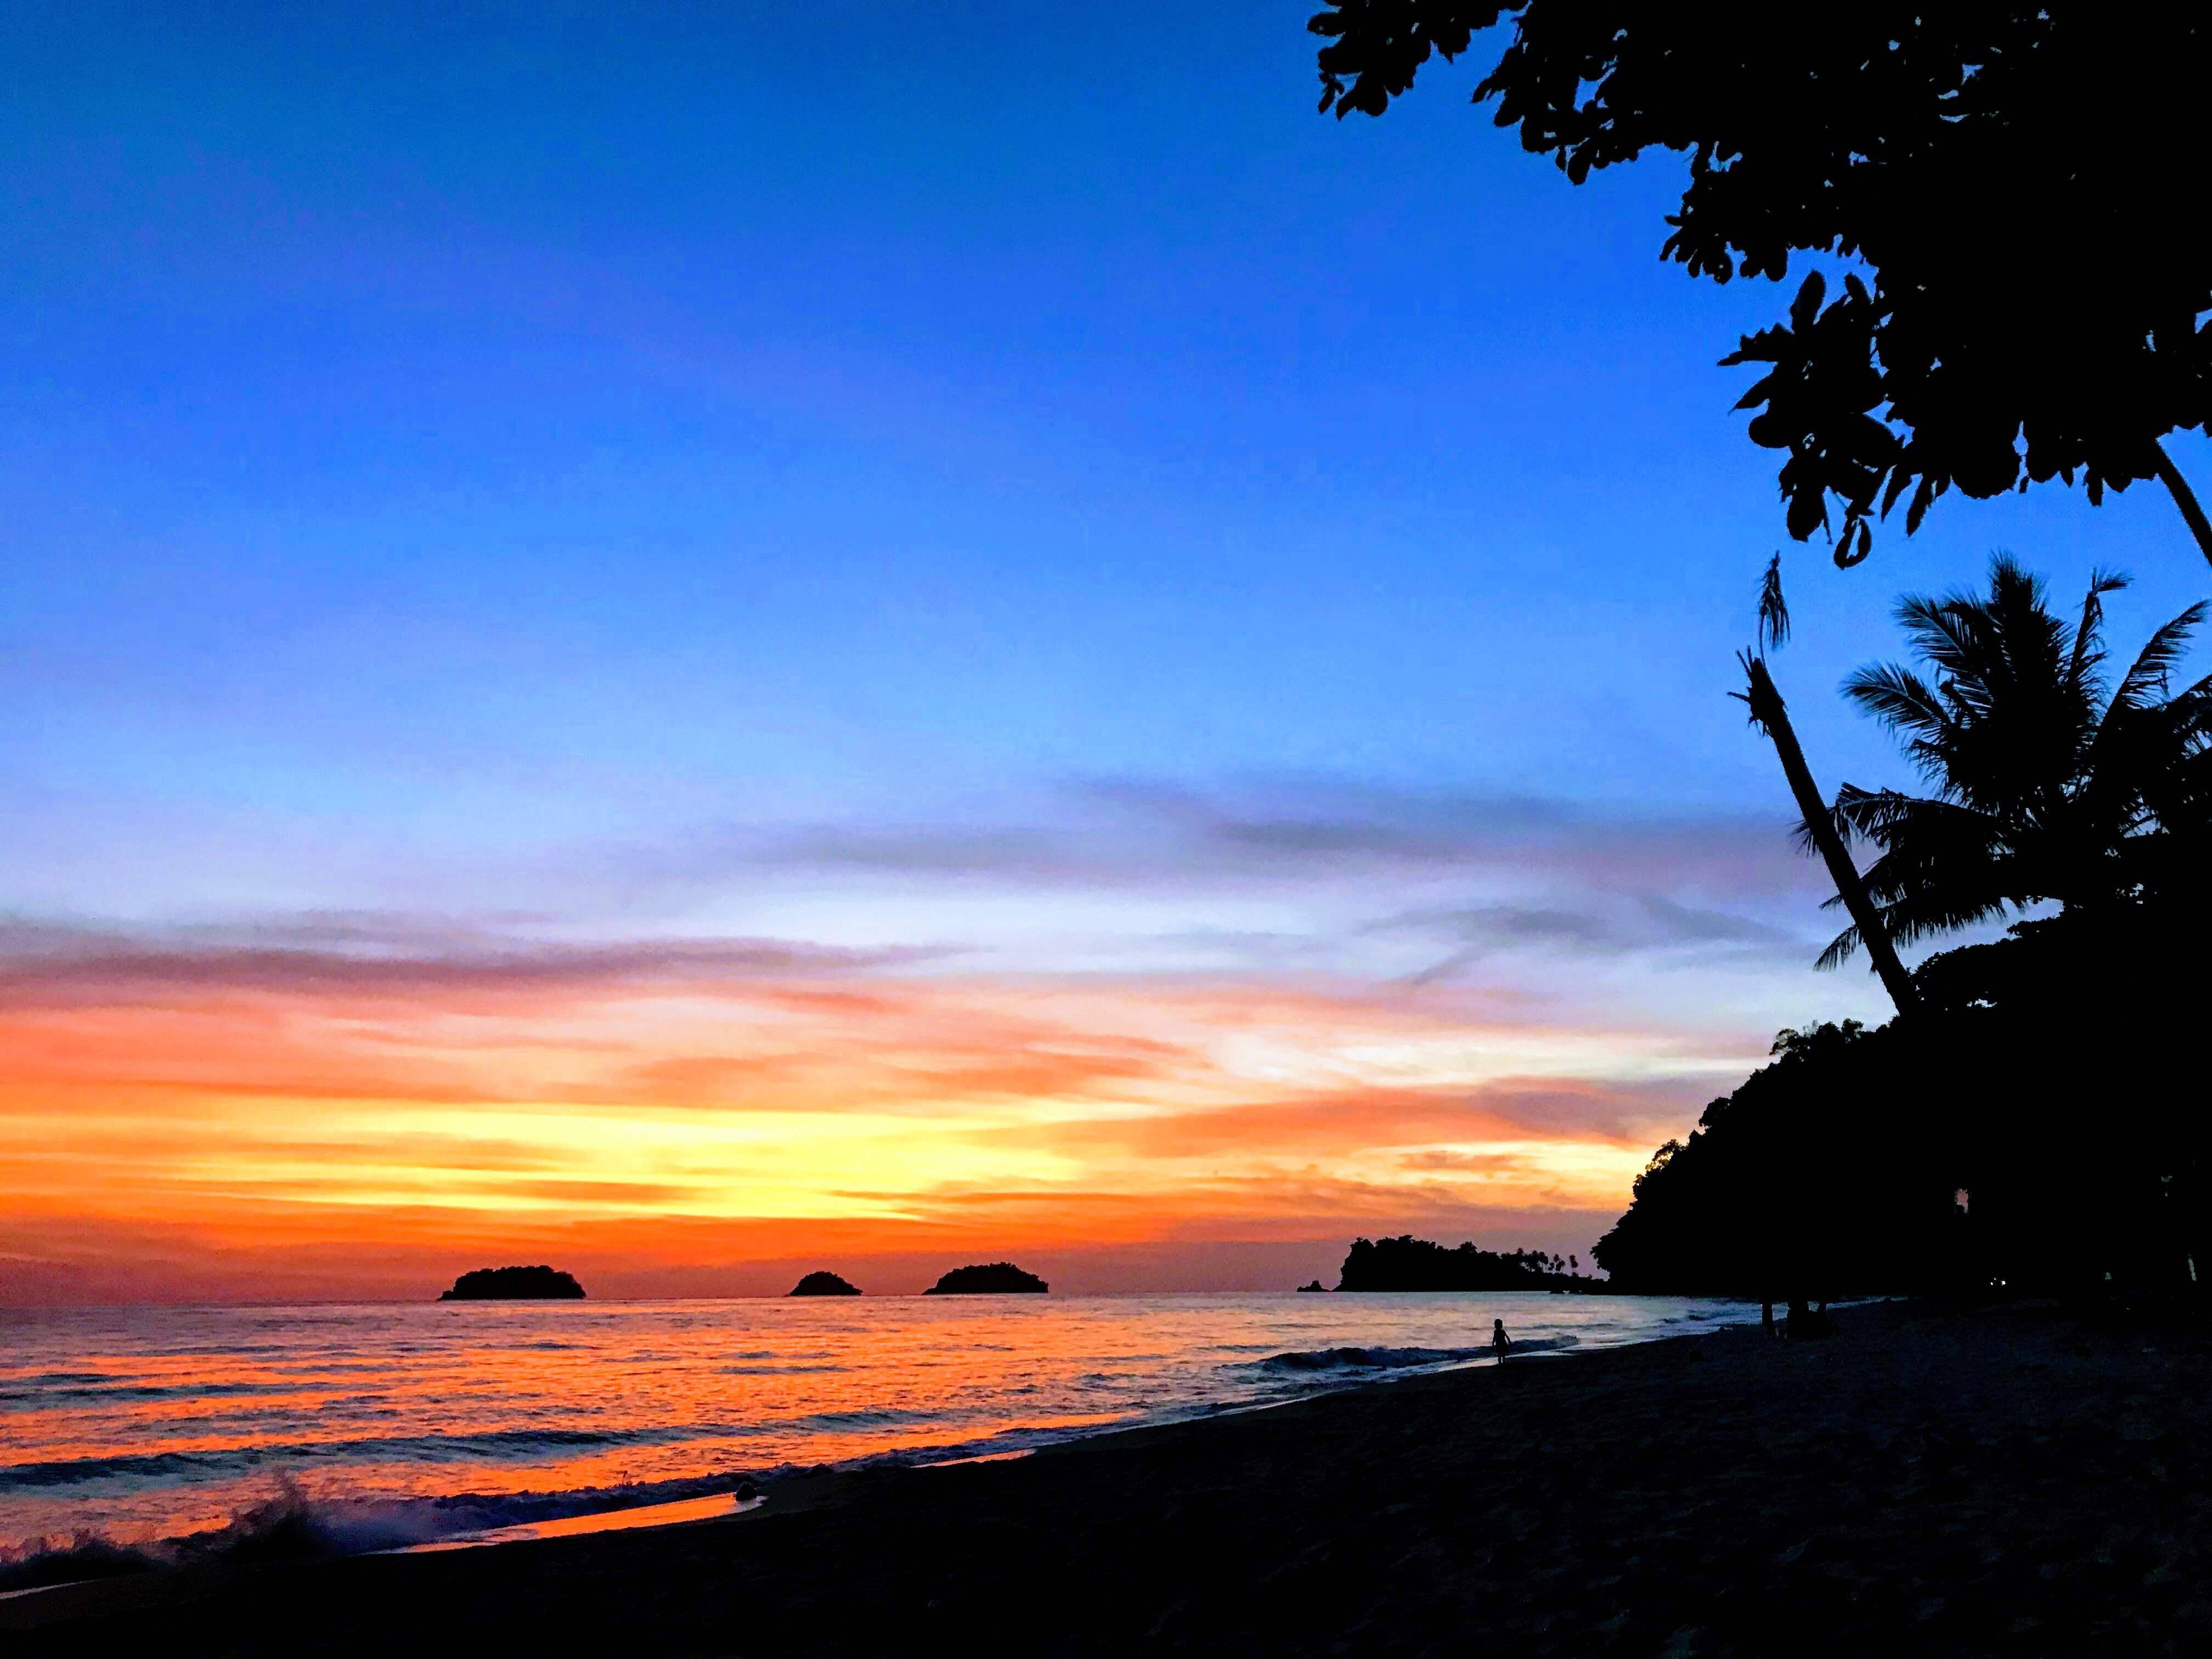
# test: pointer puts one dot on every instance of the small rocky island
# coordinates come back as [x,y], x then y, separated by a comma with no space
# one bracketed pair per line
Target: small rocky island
[539,1284]
[825,1284]
[993,1279]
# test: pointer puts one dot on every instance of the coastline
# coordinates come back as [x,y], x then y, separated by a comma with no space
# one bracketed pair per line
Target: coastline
[577,1408]
[1991,1482]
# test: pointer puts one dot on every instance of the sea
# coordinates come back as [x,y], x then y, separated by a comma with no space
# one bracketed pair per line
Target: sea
[146,1434]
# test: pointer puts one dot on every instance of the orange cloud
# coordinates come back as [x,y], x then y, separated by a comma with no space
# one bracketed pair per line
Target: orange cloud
[274,1125]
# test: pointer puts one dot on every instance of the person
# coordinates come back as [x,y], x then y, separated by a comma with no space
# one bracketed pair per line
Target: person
[1500,1344]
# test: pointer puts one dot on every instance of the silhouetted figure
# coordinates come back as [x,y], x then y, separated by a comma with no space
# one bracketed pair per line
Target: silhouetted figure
[1500,1344]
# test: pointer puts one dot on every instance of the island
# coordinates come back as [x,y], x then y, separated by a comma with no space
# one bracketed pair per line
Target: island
[993,1279]
[823,1284]
[1406,1263]
[539,1284]
[1315,1285]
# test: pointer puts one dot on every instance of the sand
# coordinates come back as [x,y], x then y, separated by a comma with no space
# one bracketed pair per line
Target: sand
[2001,1482]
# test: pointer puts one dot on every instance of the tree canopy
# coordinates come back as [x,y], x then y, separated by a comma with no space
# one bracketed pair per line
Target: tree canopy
[1824,1173]
[2005,175]
[2048,783]
[1406,1263]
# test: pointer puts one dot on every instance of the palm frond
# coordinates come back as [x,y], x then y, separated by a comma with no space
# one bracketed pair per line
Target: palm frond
[1942,630]
[1839,952]
[1774,609]
[1881,816]
[2153,664]
[2088,633]
[1900,699]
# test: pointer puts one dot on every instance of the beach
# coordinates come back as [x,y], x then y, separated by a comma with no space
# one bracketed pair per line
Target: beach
[2003,1481]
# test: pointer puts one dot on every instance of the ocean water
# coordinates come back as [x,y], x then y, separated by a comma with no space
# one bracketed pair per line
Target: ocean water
[377,1426]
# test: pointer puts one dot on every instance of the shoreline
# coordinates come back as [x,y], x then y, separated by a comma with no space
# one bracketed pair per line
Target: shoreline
[742,1498]
[256,1508]
[1998,1481]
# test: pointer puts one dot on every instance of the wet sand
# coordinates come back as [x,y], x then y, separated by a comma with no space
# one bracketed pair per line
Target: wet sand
[1987,1483]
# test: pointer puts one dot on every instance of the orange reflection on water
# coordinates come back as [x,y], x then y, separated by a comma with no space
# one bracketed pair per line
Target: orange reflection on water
[150,1422]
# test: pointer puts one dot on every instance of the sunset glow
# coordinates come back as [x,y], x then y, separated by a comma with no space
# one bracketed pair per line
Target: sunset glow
[700,1123]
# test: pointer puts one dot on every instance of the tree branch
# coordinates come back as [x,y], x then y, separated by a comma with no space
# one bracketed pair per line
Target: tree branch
[2184,498]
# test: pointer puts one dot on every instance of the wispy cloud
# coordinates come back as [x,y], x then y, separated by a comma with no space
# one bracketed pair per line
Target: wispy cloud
[1140,832]
[368,954]
[1604,924]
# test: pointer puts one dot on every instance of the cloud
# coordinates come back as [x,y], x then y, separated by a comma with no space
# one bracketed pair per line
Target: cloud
[1361,1119]
[1311,824]
[1121,833]
[46,963]
[1601,925]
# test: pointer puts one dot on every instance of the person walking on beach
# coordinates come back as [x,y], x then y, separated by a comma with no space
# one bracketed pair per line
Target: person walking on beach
[1500,1344]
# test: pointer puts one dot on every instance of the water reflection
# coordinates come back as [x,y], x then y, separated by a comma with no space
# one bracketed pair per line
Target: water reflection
[154,1421]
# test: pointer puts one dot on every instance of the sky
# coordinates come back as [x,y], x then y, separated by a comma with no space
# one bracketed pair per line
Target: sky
[742,639]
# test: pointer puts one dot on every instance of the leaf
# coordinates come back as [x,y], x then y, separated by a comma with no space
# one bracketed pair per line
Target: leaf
[1807,305]
[1761,389]
[1847,556]
[1808,513]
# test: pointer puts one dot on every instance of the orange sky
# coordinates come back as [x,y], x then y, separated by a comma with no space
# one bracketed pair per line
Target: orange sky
[716,1117]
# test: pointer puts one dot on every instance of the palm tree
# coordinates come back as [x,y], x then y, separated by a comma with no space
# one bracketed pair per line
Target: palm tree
[2044,787]
[1817,829]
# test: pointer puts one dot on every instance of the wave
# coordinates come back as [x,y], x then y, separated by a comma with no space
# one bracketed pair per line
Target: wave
[294,1525]
[245,1459]
[491,1446]
[291,1525]
[99,1391]
[1392,1360]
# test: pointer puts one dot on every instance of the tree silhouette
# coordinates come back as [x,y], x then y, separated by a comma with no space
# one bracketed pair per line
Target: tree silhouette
[1818,826]
[2003,174]
[2045,787]
[1822,1174]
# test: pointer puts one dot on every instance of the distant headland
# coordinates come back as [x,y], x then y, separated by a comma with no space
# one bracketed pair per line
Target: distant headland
[993,1279]
[1406,1263]
[539,1284]
[823,1284]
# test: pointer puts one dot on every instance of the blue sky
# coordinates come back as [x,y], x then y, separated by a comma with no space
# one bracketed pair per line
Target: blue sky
[546,463]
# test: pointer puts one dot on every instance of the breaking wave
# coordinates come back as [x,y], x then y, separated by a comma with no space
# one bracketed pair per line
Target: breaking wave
[1395,1359]
[291,1525]
[496,1445]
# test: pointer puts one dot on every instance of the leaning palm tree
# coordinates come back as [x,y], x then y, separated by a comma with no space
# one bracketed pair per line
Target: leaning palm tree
[1818,829]
[2045,787]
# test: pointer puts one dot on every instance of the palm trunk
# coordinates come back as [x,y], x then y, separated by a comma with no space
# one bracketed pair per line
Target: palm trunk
[2184,498]
[1773,715]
